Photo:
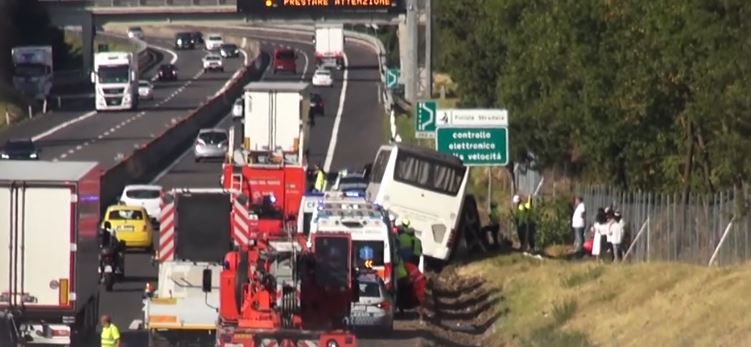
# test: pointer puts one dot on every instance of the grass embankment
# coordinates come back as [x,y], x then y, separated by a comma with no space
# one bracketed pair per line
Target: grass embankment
[557,303]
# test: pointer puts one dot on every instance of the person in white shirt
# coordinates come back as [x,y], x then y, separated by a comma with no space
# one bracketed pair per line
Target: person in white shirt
[577,224]
[615,235]
[600,229]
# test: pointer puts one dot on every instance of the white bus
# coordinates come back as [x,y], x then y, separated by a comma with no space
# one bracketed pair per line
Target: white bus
[424,186]
[373,243]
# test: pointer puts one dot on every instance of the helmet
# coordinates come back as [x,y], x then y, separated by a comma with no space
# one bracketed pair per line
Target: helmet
[516,199]
[406,222]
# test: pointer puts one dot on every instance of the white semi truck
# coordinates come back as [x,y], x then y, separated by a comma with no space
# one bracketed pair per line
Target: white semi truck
[194,237]
[277,121]
[49,284]
[115,79]
[329,40]
[33,70]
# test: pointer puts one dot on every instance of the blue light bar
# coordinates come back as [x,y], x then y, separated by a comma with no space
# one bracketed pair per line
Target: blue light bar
[355,194]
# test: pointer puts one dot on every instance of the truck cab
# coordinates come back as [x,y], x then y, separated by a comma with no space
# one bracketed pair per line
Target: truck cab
[115,79]
[285,60]
[32,70]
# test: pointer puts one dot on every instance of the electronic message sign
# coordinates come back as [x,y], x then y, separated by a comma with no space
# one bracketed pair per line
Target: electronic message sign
[266,7]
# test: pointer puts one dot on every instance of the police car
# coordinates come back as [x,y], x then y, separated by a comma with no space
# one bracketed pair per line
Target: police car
[353,183]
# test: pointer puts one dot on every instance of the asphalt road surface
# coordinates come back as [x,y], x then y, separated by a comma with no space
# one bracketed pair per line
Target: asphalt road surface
[103,137]
[359,136]
[78,133]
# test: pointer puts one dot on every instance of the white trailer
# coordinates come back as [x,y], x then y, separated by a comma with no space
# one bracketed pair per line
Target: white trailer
[329,40]
[115,79]
[194,237]
[277,121]
[49,283]
[33,70]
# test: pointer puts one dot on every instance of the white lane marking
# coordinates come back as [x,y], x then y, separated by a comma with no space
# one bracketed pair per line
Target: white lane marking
[338,120]
[172,165]
[305,67]
[91,113]
[62,126]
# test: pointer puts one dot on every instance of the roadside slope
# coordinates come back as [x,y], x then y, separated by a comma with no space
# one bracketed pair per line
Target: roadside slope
[557,303]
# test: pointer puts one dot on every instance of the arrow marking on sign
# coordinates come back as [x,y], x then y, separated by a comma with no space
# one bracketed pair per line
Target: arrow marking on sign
[431,119]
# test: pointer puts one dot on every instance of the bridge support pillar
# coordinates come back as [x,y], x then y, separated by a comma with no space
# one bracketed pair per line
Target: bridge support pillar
[87,39]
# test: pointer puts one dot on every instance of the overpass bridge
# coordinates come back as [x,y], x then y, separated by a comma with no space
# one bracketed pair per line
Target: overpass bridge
[91,15]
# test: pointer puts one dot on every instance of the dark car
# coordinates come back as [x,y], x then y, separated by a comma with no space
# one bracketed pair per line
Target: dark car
[184,41]
[197,37]
[316,105]
[229,50]
[19,149]
[167,72]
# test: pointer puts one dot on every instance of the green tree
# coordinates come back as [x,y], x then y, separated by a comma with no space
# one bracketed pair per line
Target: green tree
[642,95]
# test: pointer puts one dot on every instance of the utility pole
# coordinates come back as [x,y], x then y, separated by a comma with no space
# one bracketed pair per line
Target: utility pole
[411,72]
[428,81]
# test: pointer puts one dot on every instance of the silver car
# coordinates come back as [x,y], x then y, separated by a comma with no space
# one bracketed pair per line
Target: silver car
[210,144]
[375,308]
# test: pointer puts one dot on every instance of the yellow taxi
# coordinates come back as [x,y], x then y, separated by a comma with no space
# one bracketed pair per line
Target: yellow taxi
[131,225]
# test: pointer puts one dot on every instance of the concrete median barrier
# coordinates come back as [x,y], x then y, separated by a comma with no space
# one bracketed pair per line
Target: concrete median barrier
[146,162]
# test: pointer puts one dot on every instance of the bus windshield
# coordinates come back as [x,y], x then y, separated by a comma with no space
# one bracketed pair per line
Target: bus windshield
[114,74]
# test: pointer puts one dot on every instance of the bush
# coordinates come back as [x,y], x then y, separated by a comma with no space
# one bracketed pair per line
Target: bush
[552,216]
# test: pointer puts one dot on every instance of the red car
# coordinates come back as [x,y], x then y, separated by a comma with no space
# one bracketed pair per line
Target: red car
[285,60]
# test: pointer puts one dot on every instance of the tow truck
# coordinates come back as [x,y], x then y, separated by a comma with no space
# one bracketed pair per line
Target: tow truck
[281,293]
[194,237]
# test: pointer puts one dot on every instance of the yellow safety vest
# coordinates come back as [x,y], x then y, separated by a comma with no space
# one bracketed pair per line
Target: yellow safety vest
[110,335]
[320,181]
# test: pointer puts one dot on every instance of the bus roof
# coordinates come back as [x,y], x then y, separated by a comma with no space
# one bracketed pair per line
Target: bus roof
[427,152]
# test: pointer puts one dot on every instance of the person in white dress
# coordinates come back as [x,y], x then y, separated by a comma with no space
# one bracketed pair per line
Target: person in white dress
[600,228]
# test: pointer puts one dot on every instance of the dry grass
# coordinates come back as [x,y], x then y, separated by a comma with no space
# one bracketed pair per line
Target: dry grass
[556,303]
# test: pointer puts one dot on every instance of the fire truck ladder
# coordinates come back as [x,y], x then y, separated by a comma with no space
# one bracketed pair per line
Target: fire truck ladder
[237,179]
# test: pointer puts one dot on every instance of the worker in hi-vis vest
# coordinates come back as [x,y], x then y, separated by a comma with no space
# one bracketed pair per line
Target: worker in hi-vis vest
[110,333]
[320,178]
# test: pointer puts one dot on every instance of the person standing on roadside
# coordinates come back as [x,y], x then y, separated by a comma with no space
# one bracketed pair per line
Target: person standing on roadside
[320,178]
[578,224]
[525,224]
[110,333]
[616,235]
[600,228]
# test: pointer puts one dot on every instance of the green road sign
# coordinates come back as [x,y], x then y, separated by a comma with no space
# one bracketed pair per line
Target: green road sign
[425,119]
[475,146]
[392,78]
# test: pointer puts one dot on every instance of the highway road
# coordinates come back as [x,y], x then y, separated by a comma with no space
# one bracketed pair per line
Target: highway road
[346,137]
[359,133]
[84,135]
